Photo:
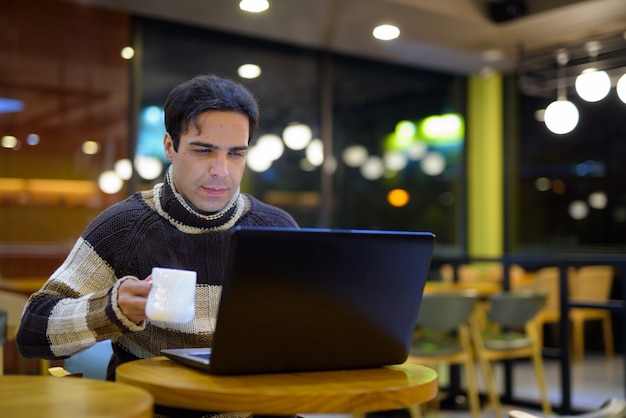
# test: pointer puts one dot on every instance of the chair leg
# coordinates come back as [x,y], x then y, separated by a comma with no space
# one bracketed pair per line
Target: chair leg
[578,339]
[470,371]
[494,398]
[472,388]
[44,365]
[546,406]
[415,411]
[541,383]
[607,329]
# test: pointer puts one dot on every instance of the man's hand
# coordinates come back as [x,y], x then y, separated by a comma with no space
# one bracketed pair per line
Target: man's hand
[132,296]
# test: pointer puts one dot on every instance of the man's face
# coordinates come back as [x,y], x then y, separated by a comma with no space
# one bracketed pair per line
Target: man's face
[208,167]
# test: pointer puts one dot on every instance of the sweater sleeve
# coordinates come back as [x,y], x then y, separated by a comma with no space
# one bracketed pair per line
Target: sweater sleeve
[76,307]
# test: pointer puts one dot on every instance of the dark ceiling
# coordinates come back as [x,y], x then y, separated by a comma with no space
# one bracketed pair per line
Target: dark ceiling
[455,36]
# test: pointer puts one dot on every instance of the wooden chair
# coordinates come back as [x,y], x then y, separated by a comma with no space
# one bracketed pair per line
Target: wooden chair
[590,284]
[13,303]
[546,280]
[442,336]
[510,333]
[481,273]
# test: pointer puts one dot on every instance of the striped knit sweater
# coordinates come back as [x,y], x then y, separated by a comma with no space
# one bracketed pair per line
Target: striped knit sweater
[77,306]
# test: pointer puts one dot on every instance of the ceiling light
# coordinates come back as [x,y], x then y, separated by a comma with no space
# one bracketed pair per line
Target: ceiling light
[561,116]
[254,6]
[249,71]
[593,85]
[386,32]
[621,88]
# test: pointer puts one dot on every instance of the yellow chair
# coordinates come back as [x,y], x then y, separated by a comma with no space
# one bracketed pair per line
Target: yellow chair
[13,303]
[510,333]
[545,280]
[442,336]
[590,284]
[585,284]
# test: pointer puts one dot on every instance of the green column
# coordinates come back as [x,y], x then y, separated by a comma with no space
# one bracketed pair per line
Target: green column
[485,166]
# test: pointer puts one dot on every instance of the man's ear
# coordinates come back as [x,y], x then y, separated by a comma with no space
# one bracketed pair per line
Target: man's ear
[168,146]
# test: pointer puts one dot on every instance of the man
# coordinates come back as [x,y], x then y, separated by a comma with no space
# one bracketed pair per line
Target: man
[100,291]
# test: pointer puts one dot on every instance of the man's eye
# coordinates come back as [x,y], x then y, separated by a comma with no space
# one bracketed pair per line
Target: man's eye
[238,154]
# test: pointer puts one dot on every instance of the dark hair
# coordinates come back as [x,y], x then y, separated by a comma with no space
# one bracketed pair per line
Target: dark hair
[204,93]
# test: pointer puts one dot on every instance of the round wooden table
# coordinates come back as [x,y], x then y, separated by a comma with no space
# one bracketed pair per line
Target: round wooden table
[62,397]
[349,391]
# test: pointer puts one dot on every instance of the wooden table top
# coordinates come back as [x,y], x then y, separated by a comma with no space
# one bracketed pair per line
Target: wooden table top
[26,285]
[349,391]
[62,397]
[482,289]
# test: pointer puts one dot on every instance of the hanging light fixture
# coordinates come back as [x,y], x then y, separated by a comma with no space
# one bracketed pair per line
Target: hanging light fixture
[561,116]
[621,88]
[593,85]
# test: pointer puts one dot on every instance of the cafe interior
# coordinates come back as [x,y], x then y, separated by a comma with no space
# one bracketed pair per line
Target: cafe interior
[498,125]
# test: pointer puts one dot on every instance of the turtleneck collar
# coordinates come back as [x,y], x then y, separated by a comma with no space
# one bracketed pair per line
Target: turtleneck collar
[171,205]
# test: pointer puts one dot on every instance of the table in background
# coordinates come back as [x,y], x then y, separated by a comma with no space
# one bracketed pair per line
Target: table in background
[62,397]
[25,285]
[346,391]
[482,289]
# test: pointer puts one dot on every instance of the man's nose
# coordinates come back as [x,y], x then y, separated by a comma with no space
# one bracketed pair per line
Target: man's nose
[218,166]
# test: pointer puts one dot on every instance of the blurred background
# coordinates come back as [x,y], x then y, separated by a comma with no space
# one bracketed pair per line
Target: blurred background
[442,127]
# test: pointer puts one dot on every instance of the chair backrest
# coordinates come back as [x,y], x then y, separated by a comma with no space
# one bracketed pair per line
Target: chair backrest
[547,280]
[92,362]
[591,283]
[515,309]
[13,303]
[445,311]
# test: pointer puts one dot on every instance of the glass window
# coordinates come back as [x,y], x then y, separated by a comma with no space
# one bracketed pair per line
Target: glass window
[408,124]
[571,186]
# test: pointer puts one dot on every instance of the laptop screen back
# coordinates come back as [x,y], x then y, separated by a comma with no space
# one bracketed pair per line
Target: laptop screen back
[317,299]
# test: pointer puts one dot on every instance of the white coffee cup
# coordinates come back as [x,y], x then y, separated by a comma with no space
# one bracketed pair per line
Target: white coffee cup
[172,297]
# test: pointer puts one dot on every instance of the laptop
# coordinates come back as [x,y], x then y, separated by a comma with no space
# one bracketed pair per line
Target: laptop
[315,299]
